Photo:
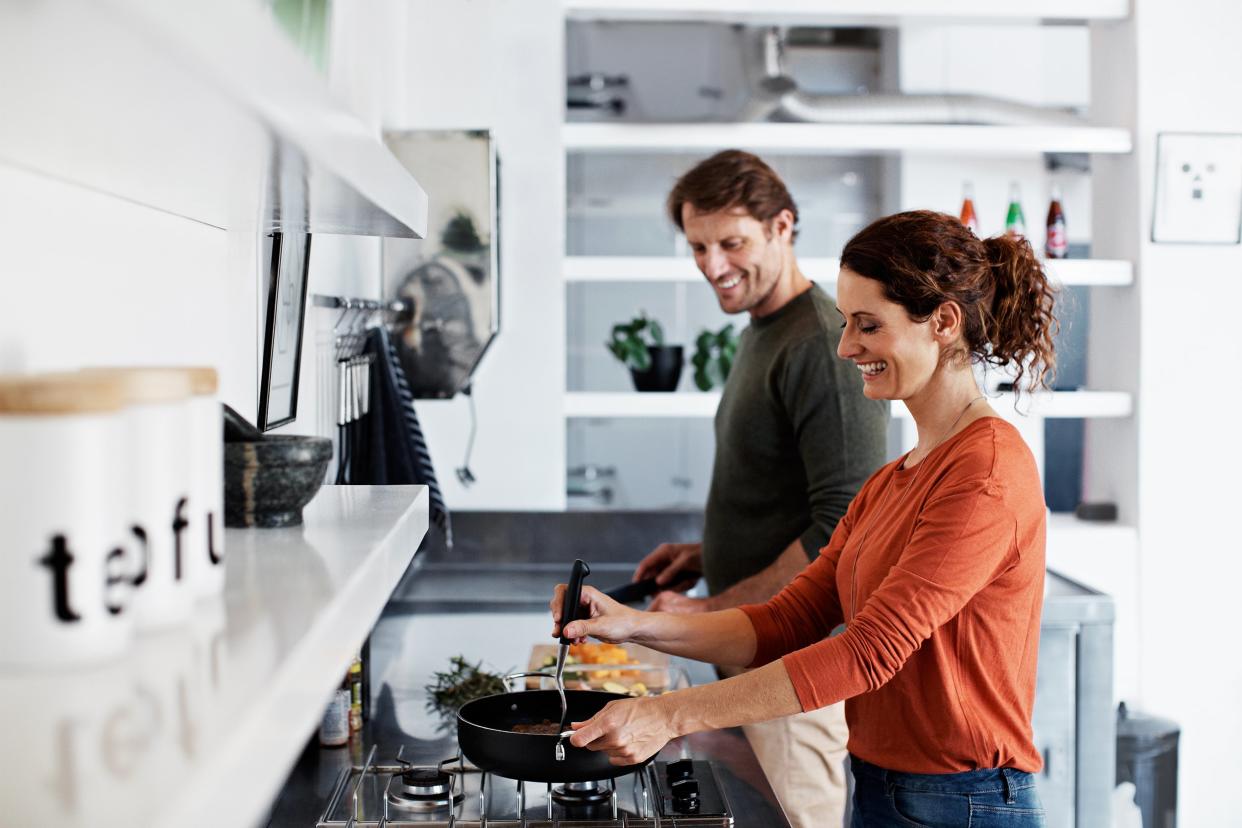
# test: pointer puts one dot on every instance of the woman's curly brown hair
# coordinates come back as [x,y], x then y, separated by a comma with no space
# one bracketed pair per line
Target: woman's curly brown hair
[924,259]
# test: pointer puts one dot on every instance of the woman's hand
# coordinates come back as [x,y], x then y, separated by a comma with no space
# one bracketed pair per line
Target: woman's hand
[628,730]
[605,618]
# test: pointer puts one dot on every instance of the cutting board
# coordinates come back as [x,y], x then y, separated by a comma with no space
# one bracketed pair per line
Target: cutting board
[656,679]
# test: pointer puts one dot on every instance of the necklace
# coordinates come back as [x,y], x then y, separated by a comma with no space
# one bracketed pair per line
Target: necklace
[947,431]
[884,505]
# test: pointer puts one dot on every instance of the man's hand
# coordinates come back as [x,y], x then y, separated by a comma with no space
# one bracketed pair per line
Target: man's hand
[666,560]
[605,618]
[628,730]
[679,604]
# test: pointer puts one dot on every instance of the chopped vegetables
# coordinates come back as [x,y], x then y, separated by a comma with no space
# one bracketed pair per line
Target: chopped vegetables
[599,652]
[604,654]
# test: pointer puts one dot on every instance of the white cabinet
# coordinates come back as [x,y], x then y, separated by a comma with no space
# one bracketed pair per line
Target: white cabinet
[202,110]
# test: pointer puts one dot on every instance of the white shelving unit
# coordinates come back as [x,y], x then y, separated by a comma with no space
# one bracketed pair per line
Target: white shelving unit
[911,145]
[827,139]
[846,12]
[200,725]
[624,404]
[203,110]
[1096,272]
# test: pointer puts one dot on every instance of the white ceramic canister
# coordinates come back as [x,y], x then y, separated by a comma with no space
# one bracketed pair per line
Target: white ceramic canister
[205,553]
[158,447]
[64,591]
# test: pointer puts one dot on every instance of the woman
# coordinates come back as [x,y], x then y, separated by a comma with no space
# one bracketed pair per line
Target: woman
[936,570]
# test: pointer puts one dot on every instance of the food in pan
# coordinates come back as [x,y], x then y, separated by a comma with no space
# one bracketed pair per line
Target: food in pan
[545,728]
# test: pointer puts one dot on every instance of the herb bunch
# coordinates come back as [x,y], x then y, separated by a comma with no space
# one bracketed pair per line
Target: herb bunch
[464,682]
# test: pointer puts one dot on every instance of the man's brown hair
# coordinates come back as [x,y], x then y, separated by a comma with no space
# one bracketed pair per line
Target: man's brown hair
[732,178]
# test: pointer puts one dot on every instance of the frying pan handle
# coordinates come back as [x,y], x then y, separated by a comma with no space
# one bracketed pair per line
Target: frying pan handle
[572,607]
[509,679]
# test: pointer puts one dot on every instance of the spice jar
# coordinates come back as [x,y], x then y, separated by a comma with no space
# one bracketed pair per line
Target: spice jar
[64,591]
[334,728]
[157,447]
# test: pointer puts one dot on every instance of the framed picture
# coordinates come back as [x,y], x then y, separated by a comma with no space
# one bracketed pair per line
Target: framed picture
[282,336]
[1198,197]
[452,277]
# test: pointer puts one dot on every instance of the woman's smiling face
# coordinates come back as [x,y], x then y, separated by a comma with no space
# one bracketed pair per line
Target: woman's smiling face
[896,354]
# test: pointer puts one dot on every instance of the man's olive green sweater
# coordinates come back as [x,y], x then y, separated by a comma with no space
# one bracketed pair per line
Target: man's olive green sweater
[795,440]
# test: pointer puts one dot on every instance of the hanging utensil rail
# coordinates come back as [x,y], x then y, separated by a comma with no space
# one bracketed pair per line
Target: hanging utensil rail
[345,372]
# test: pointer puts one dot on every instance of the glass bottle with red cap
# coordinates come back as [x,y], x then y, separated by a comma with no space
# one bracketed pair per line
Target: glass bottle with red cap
[1056,245]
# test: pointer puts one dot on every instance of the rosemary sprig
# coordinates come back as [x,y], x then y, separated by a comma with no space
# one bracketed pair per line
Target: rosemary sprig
[464,682]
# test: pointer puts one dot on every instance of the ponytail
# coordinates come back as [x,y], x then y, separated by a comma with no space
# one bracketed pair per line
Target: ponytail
[1022,323]
[924,259]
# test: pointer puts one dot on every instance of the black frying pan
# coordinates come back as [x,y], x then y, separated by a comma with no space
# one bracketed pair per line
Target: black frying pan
[485,735]
[485,726]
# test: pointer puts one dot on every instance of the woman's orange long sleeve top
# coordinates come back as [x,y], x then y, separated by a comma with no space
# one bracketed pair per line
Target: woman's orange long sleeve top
[937,571]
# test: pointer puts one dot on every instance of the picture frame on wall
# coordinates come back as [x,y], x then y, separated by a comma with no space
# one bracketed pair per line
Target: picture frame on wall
[282,335]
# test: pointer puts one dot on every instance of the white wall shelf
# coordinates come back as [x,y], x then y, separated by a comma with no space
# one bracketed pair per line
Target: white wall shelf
[827,139]
[682,269]
[846,12]
[607,405]
[199,726]
[203,110]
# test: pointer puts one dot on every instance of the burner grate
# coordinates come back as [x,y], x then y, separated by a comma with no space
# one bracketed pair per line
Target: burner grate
[451,794]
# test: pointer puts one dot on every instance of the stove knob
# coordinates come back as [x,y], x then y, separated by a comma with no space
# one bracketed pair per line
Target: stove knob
[681,769]
[686,796]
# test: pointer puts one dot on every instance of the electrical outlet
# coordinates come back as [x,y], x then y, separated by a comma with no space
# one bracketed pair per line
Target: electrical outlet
[1198,195]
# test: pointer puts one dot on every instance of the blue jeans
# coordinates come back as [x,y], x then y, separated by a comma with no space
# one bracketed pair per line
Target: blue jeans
[991,798]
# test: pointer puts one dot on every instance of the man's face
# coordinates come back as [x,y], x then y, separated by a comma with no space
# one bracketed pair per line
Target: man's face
[741,257]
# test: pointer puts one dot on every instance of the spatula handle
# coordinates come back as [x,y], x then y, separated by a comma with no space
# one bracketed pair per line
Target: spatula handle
[572,607]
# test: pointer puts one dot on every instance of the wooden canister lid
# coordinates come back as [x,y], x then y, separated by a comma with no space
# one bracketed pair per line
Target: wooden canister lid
[204,380]
[143,385]
[60,393]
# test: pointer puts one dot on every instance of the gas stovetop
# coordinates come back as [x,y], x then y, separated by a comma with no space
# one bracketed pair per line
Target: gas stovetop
[453,794]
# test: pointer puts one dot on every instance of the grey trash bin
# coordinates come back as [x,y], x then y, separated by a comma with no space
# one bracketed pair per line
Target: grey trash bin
[1147,756]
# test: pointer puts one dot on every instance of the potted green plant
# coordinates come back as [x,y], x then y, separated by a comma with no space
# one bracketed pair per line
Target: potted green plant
[713,357]
[639,345]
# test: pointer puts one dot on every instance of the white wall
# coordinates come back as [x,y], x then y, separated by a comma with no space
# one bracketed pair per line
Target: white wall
[1173,68]
[94,279]
[498,65]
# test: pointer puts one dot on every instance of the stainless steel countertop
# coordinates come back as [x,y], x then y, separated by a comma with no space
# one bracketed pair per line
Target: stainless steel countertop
[490,613]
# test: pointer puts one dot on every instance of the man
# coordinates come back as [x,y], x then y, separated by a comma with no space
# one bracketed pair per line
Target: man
[795,439]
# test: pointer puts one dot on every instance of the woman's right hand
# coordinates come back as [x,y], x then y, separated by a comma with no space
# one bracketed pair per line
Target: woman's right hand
[667,560]
[605,619]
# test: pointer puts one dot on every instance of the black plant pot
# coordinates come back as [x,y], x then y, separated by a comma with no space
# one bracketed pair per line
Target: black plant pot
[665,370]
